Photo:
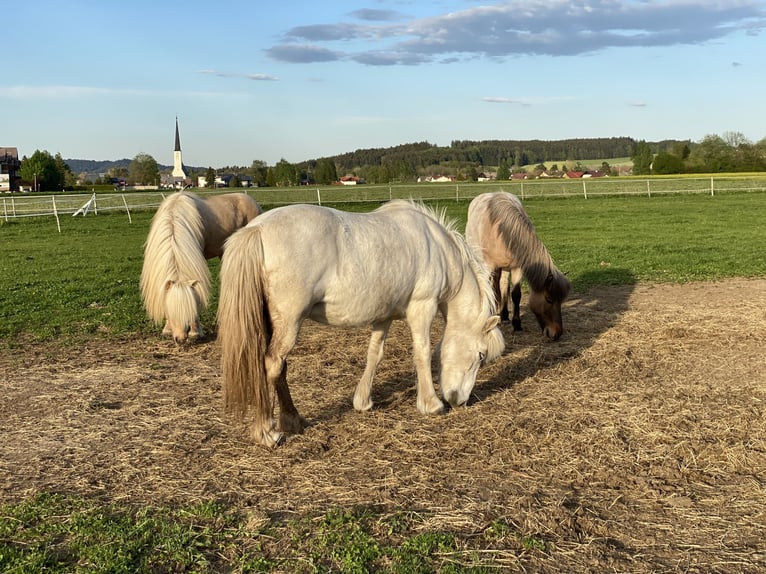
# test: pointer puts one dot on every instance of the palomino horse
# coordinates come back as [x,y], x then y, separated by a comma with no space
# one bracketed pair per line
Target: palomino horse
[402,261]
[185,231]
[501,231]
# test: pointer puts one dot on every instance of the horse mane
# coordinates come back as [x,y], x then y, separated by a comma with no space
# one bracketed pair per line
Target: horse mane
[518,233]
[467,255]
[173,254]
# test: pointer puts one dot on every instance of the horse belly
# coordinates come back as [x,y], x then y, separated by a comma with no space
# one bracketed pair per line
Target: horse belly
[359,310]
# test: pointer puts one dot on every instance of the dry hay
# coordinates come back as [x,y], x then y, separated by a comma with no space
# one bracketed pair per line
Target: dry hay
[636,443]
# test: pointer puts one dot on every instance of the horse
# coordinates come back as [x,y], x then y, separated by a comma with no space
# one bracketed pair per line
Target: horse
[401,261]
[185,232]
[502,234]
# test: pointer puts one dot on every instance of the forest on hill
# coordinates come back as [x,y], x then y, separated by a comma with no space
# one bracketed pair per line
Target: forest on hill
[469,159]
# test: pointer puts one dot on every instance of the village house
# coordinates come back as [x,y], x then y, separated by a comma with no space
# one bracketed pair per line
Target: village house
[9,169]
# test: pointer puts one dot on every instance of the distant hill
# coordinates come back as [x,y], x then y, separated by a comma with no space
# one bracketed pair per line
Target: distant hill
[95,167]
[421,154]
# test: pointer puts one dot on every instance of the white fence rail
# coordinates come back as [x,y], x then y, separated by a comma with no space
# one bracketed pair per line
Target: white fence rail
[35,205]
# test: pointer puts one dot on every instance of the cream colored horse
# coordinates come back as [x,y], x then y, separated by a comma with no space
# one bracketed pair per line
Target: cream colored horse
[500,230]
[402,261]
[185,232]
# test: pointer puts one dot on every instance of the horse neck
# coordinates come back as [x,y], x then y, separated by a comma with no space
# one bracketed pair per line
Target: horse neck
[471,300]
[531,255]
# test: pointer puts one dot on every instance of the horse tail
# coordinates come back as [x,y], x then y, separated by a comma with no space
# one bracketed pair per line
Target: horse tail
[243,328]
[175,279]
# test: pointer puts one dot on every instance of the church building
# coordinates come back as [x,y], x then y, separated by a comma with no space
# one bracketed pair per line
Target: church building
[178,177]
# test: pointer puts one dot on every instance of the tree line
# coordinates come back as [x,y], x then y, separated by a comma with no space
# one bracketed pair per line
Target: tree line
[464,159]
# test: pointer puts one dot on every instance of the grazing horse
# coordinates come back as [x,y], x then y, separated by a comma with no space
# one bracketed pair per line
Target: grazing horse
[500,230]
[401,261]
[185,232]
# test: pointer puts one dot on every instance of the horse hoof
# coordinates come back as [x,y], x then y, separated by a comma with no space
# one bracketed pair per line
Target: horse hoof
[516,325]
[271,438]
[292,424]
[434,407]
[362,405]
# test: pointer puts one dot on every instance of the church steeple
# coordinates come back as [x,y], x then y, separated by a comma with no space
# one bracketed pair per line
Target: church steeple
[178,164]
[178,138]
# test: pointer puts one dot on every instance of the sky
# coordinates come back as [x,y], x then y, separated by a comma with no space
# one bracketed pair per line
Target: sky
[300,80]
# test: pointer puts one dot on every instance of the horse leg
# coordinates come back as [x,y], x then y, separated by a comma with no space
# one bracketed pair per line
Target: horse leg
[420,325]
[282,342]
[362,399]
[497,286]
[516,298]
[290,421]
[196,332]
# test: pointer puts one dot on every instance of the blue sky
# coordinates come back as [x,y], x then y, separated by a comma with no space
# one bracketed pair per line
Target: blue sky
[102,79]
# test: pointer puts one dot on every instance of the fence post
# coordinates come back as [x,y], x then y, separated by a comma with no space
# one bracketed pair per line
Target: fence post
[648,189]
[319,197]
[457,193]
[522,190]
[125,203]
[711,186]
[584,189]
[5,211]
[13,206]
[56,213]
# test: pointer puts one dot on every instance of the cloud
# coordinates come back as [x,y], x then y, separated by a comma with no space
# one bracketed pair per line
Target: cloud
[302,53]
[522,27]
[256,77]
[63,92]
[525,101]
[58,92]
[372,15]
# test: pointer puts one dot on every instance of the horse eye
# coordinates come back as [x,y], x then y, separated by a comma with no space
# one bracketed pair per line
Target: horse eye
[549,300]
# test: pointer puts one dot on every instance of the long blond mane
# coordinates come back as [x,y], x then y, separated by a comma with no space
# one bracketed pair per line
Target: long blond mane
[173,256]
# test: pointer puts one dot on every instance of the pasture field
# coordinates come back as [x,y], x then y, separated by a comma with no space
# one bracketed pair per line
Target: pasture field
[637,443]
[84,280]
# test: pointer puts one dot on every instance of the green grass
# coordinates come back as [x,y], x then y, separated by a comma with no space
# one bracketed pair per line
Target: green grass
[57,533]
[84,280]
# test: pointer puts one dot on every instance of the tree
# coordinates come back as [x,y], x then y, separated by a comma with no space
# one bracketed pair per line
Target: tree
[642,158]
[502,171]
[68,179]
[210,177]
[41,170]
[286,173]
[143,170]
[325,172]
[259,170]
[666,163]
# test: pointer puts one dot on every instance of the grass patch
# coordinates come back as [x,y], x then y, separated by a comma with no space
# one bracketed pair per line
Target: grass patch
[58,533]
[84,280]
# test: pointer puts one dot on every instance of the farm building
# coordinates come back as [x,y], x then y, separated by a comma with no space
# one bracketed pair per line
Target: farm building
[9,169]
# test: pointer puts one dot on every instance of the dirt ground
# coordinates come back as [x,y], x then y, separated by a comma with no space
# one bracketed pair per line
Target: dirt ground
[636,443]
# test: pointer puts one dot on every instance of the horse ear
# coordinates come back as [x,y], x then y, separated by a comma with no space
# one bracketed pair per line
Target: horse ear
[491,323]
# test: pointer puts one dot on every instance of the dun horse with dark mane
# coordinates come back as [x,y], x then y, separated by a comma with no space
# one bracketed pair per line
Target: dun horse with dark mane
[185,232]
[501,231]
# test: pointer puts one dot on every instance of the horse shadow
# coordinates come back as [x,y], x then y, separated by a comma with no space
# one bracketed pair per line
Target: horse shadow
[598,300]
